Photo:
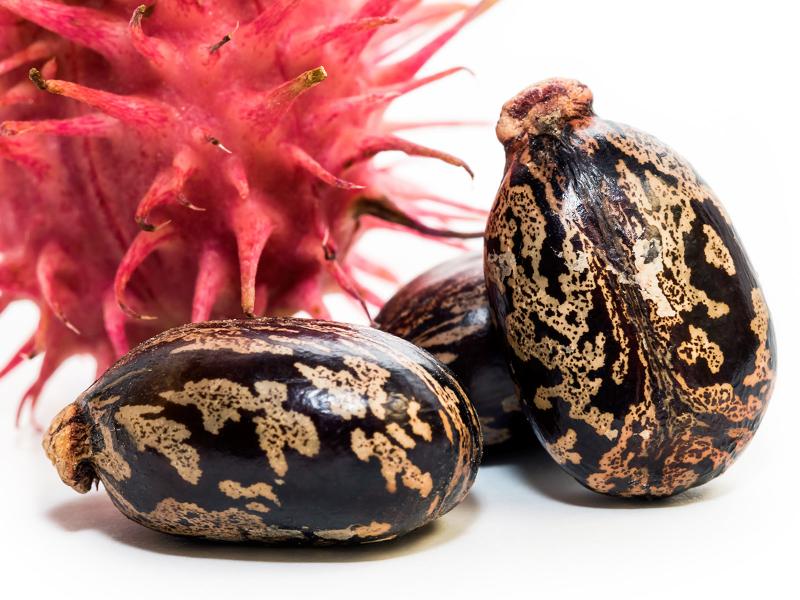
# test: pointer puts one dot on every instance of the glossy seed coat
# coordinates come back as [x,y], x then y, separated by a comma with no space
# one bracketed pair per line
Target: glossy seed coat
[639,336]
[284,431]
[446,312]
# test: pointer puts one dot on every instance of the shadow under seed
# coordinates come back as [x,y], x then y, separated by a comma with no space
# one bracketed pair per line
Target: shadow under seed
[98,513]
[538,471]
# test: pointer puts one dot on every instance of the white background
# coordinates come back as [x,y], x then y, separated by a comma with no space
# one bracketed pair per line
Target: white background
[716,80]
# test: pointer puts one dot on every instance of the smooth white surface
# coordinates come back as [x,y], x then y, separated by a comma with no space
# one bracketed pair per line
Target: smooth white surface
[717,81]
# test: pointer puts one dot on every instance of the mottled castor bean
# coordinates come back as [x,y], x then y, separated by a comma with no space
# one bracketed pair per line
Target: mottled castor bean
[284,431]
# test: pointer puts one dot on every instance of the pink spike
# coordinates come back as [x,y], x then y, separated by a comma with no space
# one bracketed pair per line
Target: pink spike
[114,323]
[104,356]
[56,352]
[252,229]
[442,216]
[476,213]
[269,19]
[389,42]
[406,125]
[375,223]
[362,263]
[144,244]
[84,26]
[24,155]
[49,69]
[383,209]
[435,222]
[35,52]
[136,111]
[265,110]
[433,12]
[396,188]
[300,158]
[31,396]
[376,8]
[371,146]
[377,98]
[158,53]
[324,35]
[167,185]
[418,83]
[427,13]
[464,211]
[51,362]
[23,92]
[50,259]
[403,7]
[235,174]
[19,94]
[26,351]
[91,125]
[349,104]
[347,284]
[372,8]
[366,293]
[406,68]
[212,275]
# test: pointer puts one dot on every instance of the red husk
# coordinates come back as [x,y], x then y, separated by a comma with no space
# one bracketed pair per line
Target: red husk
[175,163]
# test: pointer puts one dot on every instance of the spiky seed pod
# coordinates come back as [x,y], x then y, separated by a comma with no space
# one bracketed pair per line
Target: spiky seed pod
[283,431]
[187,160]
[639,336]
[446,311]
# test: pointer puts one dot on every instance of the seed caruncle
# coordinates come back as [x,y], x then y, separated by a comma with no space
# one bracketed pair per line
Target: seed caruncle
[639,336]
[285,431]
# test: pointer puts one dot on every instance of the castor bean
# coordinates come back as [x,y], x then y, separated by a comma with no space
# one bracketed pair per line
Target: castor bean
[284,431]
[446,312]
[639,336]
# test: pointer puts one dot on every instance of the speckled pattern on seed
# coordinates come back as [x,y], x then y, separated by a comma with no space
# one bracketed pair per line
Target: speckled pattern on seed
[446,311]
[283,431]
[640,338]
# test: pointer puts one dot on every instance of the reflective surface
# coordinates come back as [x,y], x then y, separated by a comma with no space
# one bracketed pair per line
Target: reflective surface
[446,312]
[640,338]
[276,430]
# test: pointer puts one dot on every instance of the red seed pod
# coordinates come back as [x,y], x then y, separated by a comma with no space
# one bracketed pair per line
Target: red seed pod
[192,160]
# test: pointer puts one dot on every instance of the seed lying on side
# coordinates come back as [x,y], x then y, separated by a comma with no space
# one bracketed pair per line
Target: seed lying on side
[284,431]
[640,339]
[446,312]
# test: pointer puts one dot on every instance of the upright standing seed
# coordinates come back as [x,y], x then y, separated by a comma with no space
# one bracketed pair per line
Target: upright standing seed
[640,339]
[275,430]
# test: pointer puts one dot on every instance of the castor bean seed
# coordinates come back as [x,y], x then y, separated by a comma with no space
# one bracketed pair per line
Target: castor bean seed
[446,311]
[639,336]
[284,431]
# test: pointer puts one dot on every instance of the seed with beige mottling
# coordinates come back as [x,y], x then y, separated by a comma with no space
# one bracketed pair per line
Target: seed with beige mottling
[636,330]
[232,438]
